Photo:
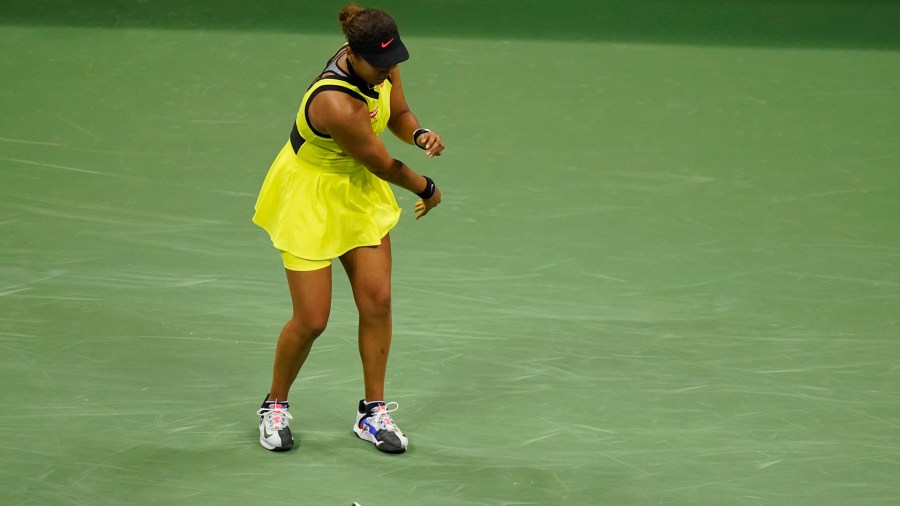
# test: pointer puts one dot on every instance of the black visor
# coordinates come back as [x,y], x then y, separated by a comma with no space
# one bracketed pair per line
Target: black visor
[382,53]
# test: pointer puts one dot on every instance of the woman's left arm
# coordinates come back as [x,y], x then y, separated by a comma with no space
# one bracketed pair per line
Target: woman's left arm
[403,122]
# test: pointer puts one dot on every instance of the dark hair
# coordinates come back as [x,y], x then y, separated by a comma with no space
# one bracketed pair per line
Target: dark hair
[365,25]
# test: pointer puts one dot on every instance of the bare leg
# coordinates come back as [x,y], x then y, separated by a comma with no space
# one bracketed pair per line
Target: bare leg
[311,300]
[369,270]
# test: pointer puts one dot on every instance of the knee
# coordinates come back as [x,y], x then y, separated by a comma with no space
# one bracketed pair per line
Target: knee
[308,327]
[376,303]
[314,327]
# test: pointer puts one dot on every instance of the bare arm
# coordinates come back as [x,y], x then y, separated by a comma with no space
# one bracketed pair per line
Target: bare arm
[403,122]
[347,120]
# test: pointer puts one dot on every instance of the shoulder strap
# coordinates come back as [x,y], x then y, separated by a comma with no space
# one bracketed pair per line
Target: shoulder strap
[336,73]
[329,84]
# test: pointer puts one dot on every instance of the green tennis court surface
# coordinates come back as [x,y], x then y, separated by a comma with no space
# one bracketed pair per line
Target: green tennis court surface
[666,269]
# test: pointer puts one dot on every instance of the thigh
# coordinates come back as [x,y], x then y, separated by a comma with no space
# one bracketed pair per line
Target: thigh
[369,270]
[310,294]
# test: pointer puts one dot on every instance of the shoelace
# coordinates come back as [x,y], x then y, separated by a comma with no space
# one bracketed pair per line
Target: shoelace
[276,418]
[381,417]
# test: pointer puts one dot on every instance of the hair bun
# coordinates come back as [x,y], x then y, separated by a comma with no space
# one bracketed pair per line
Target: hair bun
[346,15]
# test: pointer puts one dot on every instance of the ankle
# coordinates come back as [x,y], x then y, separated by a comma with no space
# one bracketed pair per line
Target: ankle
[272,400]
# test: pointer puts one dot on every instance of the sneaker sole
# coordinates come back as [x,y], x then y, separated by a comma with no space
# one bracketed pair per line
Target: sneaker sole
[274,448]
[365,436]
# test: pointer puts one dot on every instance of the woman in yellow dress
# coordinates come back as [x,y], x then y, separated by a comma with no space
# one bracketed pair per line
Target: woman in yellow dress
[326,196]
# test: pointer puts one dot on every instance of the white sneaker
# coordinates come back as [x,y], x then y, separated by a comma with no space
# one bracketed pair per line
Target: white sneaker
[374,424]
[274,432]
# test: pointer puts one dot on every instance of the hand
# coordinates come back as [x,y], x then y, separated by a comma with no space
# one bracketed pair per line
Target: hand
[432,144]
[425,205]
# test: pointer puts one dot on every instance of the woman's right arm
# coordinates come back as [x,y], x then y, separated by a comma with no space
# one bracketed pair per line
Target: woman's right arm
[347,121]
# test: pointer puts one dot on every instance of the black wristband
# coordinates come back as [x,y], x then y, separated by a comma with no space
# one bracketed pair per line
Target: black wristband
[417,133]
[428,192]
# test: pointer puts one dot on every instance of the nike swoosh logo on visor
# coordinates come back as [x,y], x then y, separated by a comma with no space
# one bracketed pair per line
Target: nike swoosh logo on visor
[386,44]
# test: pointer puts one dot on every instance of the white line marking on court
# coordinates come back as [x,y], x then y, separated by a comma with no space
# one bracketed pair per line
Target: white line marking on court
[540,438]
[78,127]
[182,429]
[10,292]
[22,141]
[593,428]
[626,464]
[52,166]
[768,464]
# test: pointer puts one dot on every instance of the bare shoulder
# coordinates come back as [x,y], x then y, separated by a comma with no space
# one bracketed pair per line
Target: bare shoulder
[332,109]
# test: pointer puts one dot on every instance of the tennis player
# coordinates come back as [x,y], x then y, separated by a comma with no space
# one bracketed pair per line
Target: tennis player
[327,196]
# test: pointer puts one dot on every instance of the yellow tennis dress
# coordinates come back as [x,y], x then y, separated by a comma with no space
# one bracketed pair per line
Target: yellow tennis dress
[317,202]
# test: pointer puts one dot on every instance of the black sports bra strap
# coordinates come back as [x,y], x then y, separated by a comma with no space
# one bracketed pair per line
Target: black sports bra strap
[297,140]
